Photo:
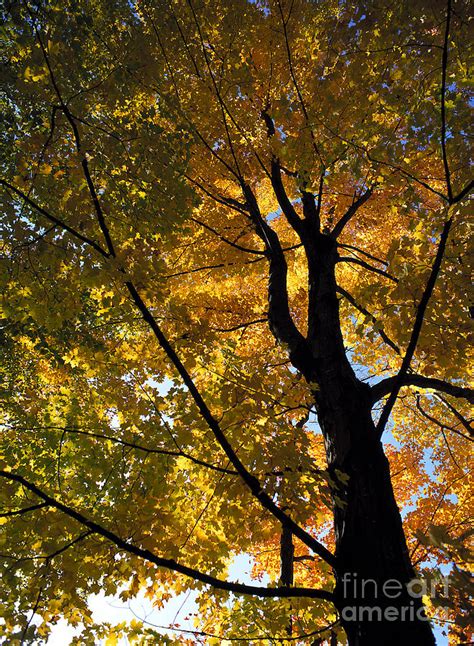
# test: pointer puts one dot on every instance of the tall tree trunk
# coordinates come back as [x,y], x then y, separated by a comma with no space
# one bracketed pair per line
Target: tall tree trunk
[370,543]
[373,565]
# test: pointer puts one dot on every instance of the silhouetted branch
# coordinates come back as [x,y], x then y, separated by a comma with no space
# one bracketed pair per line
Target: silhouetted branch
[54,219]
[385,386]
[170,564]
[444,69]
[419,318]
[351,211]
[365,312]
[362,263]
[25,510]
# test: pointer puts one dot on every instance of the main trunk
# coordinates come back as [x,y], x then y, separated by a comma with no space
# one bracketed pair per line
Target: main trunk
[373,567]
[370,543]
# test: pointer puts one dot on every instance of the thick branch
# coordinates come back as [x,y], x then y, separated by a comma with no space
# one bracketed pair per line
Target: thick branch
[385,386]
[277,183]
[279,316]
[287,552]
[170,564]
[283,200]
[311,210]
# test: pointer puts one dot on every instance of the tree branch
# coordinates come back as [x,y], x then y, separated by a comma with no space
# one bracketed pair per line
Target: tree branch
[217,93]
[361,251]
[250,480]
[465,191]
[240,326]
[311,210]
[362,263]
[351,211]
[220,199]
[444,69]
[55,220]
[25,510]
[226,240]
[140,447]
[442,426]
[277,182]
[385,386]
[77,140]
[294,337]
[365,312]
[296,84]
[286,206]
[279,316]
[461,419]
[419,318]
[170,564]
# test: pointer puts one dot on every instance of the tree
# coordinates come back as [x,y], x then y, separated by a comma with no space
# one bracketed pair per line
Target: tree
[235,320]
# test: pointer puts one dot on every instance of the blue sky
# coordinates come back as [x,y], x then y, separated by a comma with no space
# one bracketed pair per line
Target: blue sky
[114,610]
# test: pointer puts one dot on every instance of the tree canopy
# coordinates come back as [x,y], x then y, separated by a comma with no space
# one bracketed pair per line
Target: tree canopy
[234,268]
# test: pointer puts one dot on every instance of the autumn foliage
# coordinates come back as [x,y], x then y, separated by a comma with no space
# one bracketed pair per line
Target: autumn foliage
[207,207]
